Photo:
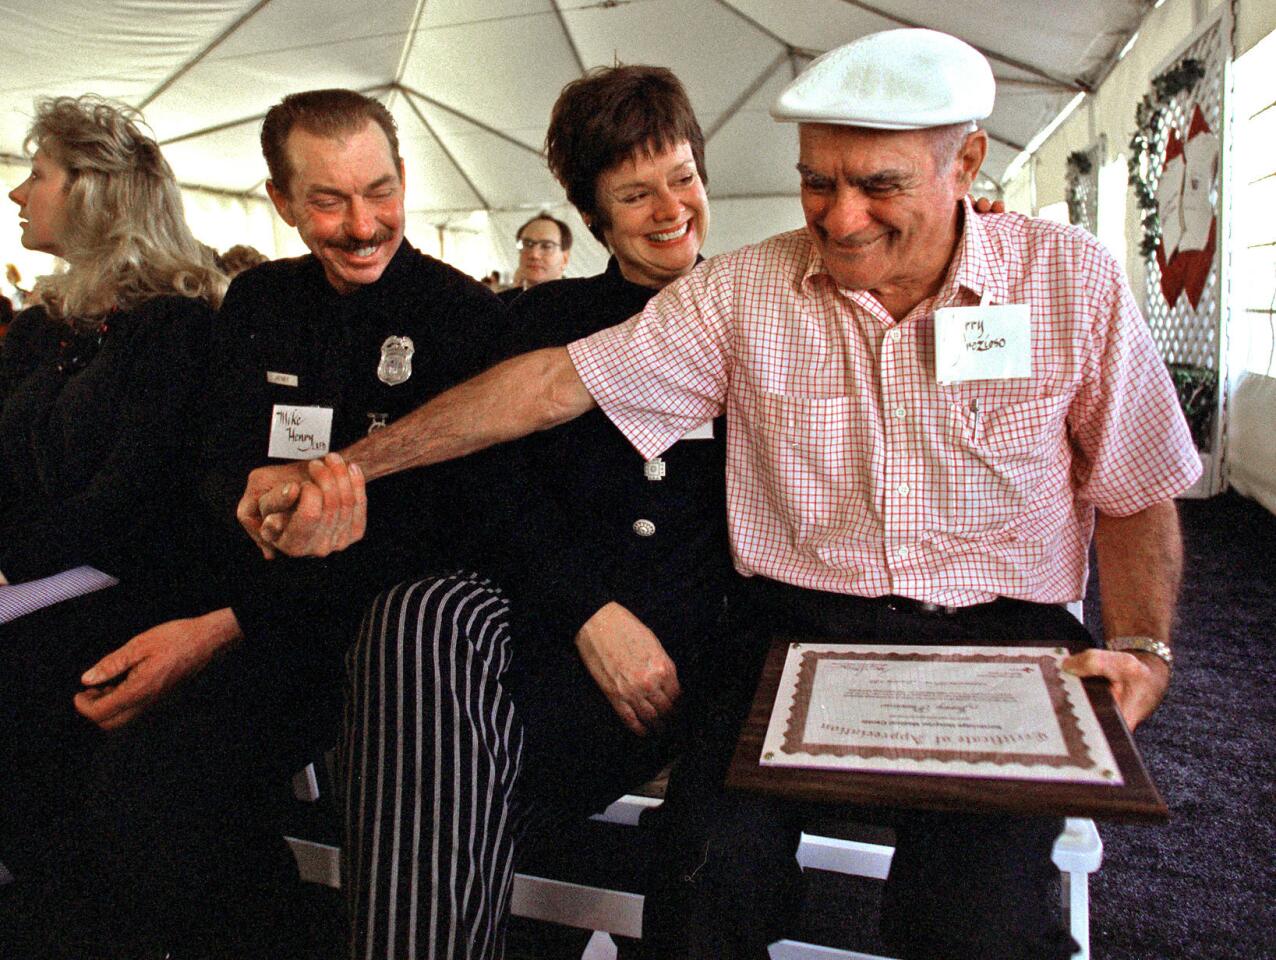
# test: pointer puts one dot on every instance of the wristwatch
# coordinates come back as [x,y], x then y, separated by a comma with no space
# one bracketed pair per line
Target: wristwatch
[1158,648]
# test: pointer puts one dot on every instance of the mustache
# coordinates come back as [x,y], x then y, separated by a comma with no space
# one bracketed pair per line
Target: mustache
[350,244]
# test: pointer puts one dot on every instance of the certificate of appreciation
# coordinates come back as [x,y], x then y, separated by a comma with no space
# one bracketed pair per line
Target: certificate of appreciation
[999,712]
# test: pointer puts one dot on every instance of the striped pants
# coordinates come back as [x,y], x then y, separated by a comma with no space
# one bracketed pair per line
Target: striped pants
[448,766]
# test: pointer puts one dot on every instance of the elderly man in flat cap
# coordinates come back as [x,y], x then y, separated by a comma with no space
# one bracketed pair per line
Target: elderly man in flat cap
[889,479]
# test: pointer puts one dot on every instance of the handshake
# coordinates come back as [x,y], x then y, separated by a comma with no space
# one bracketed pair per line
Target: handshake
[305,509]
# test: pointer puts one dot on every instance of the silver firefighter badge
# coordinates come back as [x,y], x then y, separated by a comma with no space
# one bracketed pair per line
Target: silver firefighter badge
[396,360]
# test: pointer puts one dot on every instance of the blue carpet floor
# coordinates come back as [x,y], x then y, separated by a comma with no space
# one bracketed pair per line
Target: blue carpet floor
[1204,886]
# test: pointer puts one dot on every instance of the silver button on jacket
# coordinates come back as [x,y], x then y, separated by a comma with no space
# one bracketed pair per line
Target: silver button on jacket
[644,528]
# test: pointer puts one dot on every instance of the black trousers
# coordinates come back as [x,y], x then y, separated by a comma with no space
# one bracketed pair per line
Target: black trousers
[464,747]
[166,831]
[961,886]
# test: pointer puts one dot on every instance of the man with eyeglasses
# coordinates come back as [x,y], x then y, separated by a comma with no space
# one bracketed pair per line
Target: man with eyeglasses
[544,247]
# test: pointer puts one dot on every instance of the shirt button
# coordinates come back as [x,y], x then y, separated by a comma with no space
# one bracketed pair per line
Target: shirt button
[901,412]
[903,489]
[644,528]
[903,553]
[893,336]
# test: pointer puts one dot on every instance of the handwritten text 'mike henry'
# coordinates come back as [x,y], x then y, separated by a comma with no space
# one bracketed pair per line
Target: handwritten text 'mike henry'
[291,421]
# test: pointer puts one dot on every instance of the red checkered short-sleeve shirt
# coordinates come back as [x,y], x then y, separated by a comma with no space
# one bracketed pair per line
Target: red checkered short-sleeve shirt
[850,469]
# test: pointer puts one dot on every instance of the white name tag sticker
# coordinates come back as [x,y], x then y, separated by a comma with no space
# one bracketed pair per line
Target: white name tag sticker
[702,432]
[983,343]
[299,433]
[283,379]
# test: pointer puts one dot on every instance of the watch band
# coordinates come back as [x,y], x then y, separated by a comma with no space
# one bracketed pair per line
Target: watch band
[1158,648]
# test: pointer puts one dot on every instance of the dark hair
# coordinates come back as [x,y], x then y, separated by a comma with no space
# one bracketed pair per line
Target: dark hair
[564,231]
[324,113]
[239,258]
[610,115]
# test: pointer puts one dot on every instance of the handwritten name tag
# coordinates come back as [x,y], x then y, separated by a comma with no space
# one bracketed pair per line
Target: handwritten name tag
[299,433]
[282,379]
[983,343]
[702,432]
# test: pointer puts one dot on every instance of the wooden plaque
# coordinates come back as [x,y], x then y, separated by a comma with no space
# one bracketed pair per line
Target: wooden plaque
[1135,800]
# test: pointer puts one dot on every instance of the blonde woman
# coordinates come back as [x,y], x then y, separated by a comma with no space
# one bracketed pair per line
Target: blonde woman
[100,375]
[99,426]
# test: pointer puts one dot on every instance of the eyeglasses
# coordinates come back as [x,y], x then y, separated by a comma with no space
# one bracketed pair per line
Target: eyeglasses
[545,246]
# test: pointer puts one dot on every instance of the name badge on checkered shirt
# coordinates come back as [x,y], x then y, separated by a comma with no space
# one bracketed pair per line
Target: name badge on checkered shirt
[983,343]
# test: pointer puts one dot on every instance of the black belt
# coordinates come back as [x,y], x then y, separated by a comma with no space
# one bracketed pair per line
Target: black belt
[920,607]
[891,602]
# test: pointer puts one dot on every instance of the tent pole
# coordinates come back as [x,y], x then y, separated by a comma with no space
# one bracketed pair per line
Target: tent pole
[190,64]
[745,97]
[571,41]
[447,153]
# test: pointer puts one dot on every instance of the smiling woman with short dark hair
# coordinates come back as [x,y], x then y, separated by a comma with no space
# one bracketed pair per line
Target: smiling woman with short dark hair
[616,577]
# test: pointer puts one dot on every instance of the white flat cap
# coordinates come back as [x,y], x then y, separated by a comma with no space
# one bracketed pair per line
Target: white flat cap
[893,80]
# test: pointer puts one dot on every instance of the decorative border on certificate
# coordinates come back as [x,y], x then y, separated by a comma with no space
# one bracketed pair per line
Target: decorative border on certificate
[1004,712]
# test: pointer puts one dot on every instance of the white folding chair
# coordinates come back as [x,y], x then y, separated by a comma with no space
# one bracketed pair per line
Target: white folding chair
[1077,853]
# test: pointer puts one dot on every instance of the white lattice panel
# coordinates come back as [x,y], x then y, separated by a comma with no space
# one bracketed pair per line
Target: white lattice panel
[1183,333]
[1187,335]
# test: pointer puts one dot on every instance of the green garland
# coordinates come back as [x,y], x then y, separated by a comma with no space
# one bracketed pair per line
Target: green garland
[1197,389]
[1078,165]
[1147,119]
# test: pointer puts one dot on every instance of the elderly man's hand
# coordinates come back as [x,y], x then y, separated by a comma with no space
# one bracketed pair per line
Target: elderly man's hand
[1139,680]
[984,205]
[281,483]
[630,666]
[129,681]
[320,511]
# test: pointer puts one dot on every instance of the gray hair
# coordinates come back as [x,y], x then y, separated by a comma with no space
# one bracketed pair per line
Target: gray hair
[946,141]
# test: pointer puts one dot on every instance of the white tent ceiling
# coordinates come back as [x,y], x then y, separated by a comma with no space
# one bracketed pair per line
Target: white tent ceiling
[471,82]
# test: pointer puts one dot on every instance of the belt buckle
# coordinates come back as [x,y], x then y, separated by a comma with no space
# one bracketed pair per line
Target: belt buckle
[897,604]
[936,609]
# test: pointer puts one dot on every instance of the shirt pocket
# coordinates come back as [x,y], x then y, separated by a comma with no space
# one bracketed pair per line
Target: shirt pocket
[1007,453]
[805,451]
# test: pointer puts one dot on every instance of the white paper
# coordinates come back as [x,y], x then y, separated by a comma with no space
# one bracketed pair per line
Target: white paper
[702,432]
[299,433]
[998,712]
[983,343]
[1200,155]
[1169,203]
